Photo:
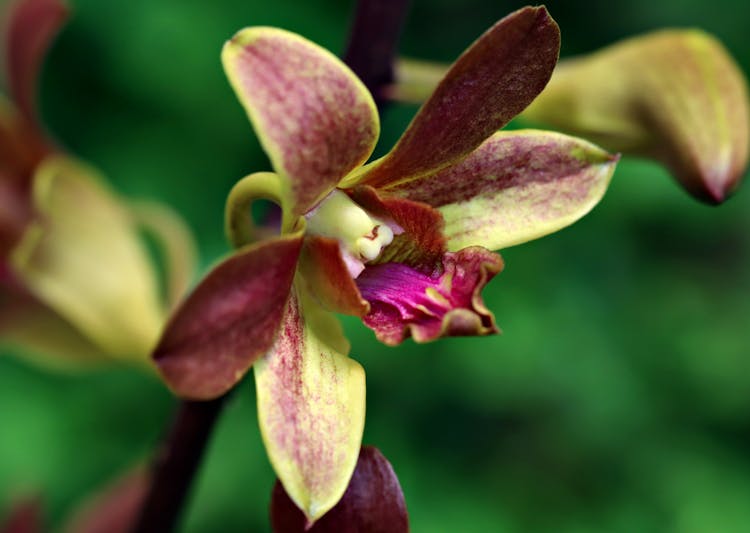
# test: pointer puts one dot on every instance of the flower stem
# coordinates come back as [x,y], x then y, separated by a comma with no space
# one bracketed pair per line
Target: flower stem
[176,463]
[373,41]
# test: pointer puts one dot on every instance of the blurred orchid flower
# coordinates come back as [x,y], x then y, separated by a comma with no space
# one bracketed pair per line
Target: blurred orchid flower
[402,242]
[76,282]
[675,96]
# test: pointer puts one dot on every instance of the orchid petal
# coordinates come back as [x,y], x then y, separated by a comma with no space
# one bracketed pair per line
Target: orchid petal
[373,502]
[676,96]
[446,302]
[82,257]
[311,407]
[15,213]
[315,119]
[229,320]
[328,279]
[517,186]
[21,146]
[30,27]
[492,81]
[175,243]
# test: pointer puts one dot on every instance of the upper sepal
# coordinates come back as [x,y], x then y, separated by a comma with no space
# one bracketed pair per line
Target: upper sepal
[373,503]
[676,96]
[492,81]
[315,119]
[229,320]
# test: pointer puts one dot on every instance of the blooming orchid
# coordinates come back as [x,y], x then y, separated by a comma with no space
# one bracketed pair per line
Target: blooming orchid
[76,283]
[403,241]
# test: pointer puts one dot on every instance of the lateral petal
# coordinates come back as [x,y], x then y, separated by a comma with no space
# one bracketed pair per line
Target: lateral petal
[83,258]
[517,186]
[30,27]
[676,96]
[373,502]
[311,407]
[315,119]
[229,320]
[445,302]
[492,81]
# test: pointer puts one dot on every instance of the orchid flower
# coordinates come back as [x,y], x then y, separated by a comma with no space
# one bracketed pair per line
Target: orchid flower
[403,242]
[76,283]
[675,96]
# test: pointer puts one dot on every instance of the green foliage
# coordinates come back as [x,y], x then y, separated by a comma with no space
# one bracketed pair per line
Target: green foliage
[616,400]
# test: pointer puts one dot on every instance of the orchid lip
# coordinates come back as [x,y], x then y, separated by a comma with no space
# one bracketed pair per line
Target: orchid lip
[362,236]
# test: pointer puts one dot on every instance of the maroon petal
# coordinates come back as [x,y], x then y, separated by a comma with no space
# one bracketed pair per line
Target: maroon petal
[24,517]
[229,320]
[31,25]
[493,81]
[373,503]
[447,302]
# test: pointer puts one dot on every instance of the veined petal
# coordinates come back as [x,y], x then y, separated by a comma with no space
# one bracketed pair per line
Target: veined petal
[373,502]
[82,257]
[492,81]
[327,278]
[229,320]
[311,407]
[676,96]
[315,119]
[30,27]
[517,186]
[447,302]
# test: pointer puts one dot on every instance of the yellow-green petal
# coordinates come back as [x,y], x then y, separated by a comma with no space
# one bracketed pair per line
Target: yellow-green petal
[82,257]
[315,119]
[676,96]
[311,407]
[517,186]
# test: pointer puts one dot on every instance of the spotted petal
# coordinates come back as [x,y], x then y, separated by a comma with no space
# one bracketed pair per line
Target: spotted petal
[311,407]
[675,95]
[315,119]
[229,321]
[30,27]
[492,81]
[427,305]
[517,186]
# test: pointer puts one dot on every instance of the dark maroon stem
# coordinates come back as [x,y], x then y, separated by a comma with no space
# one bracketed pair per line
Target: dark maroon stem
[373,42]
[176,464]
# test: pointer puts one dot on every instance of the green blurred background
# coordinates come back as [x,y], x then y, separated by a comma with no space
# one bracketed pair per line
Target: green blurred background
[617,399]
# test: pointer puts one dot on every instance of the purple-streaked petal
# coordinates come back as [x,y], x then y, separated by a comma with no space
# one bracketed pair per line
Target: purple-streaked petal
[311,407]
[326,276]
[446,302]
[676,96]
[30,27]
[492,81]
[517,186]
[373,503]
[229,320]
[315,119]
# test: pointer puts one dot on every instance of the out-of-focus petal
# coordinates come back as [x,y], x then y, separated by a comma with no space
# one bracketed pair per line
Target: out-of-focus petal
[82,257]
[311,407]
[115,508]
[175,242]
[229,320]
[492,81]
[15,213]
[446,302]
[517,186]
[25,516]
[21,145]
[315,119]
[30,27]
[373,503]
[674,95]
[326,276]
